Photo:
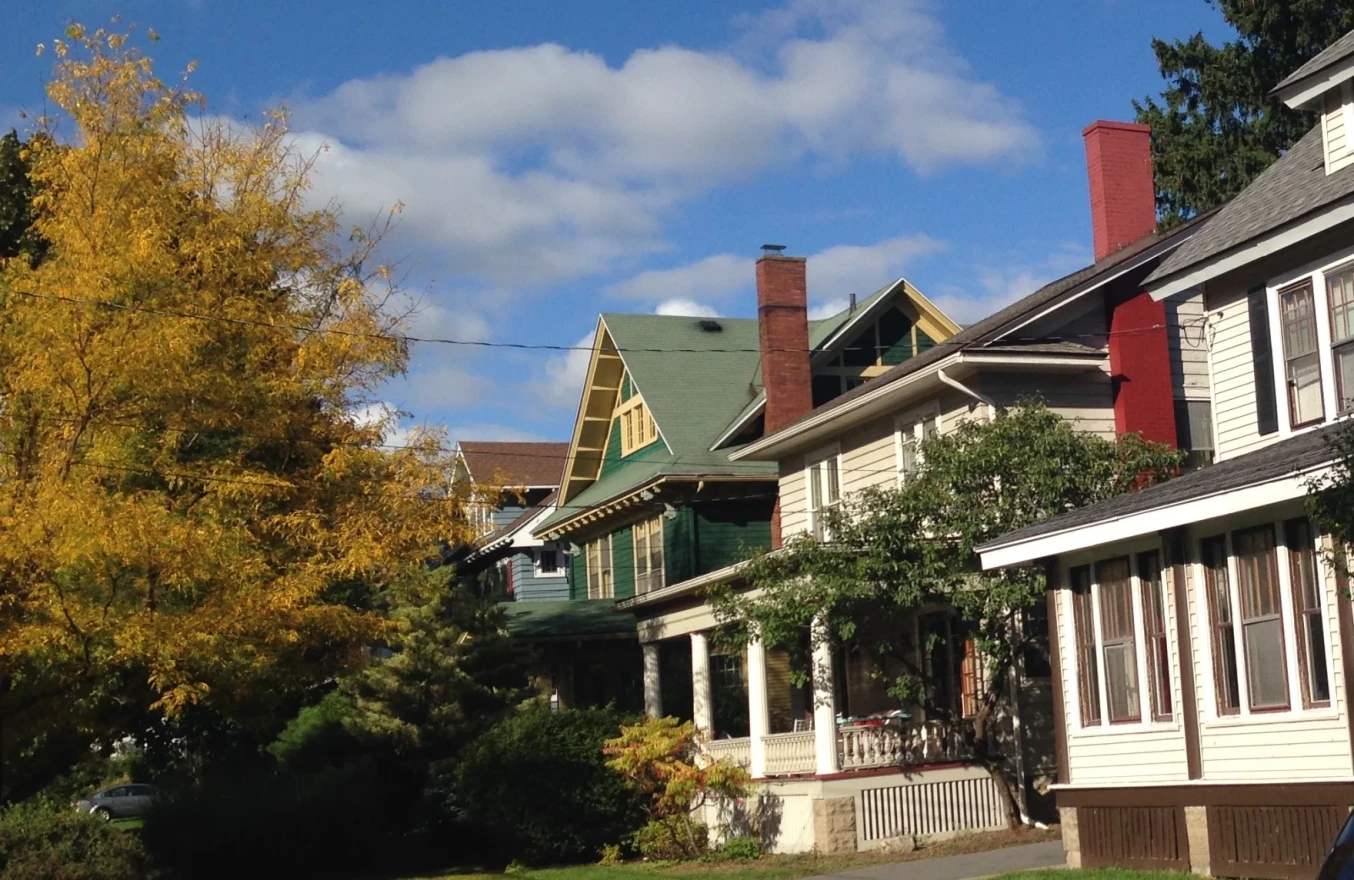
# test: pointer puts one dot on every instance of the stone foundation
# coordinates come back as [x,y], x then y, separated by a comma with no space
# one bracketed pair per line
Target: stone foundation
[1067,816]
[1196,827]
[834,825]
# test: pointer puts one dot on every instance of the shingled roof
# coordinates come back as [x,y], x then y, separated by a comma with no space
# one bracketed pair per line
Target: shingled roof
[1326,59]
[1285,192]
[514,463]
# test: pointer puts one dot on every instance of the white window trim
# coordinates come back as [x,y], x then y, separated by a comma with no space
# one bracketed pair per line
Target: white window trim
[819,456]
[1204,627]
[913,419]
[610,566]
[1067,624]
[560,562]
[634,554]
[1315,273]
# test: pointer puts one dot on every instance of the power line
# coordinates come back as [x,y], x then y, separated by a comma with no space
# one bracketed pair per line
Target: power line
[524,346]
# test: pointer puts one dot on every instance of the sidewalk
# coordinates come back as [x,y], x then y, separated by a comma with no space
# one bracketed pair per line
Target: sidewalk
[965,867]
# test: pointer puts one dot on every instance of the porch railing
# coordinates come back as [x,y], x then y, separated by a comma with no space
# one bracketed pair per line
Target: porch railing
[864,746]
[788,753]
[737,750]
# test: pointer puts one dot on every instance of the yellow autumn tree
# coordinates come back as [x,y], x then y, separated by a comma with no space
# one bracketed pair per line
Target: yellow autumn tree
[187,502]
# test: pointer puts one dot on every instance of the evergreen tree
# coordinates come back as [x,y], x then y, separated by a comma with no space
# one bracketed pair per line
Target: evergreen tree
[1216,125]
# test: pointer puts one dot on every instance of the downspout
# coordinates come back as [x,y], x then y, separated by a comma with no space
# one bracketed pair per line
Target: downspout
[946,379]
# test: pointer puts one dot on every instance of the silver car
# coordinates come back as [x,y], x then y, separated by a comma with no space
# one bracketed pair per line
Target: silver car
[119,801]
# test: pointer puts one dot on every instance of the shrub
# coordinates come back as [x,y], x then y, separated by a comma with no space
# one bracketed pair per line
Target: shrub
[741,848]
[671,839]
[45,840]
[538,782]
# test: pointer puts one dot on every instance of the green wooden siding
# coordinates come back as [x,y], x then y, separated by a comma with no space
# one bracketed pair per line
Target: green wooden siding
[895,337]
[923,341]
[727,532]
[578,574]
[679,546]
[623,562]
[612,461]
[627,390]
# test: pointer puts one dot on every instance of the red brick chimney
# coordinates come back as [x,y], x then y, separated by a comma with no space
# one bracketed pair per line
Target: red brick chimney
[783,327]
[1123,195]
[1123,211]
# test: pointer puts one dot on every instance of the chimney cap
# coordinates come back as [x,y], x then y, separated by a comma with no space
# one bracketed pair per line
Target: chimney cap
[773,248]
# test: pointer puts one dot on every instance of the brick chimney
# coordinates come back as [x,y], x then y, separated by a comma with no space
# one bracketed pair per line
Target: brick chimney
[1123,195]
[1123,211]
[783,326]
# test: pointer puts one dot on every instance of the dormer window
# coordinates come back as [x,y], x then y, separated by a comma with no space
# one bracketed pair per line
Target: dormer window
[637,426]
[1337,127]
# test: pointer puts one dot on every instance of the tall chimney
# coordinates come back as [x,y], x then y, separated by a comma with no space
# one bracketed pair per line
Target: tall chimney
[1123,210]
[1123,197]
[783,326]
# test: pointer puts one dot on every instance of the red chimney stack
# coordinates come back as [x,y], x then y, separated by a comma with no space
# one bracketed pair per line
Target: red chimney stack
[1123,211]
[783,326]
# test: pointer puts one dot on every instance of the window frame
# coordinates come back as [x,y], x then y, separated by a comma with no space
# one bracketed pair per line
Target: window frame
[1302,616]
[1245,713]
[914,423]
[606,581]
[1095,720]
[651,529]
[540,562]
[638,429]
[815,460]
[1315,274]
[1156,638]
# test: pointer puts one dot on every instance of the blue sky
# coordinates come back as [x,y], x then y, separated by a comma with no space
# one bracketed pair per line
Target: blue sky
[557,159]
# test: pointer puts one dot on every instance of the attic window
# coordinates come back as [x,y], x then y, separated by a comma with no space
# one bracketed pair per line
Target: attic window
[637,426]
[711,326]
[1337,127]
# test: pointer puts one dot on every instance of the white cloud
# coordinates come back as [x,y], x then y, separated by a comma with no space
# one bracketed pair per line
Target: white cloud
[715,276]
[529,165]
[565,374]
[687,307]
[828,309]
[489,431]
[998,287]
[863,269]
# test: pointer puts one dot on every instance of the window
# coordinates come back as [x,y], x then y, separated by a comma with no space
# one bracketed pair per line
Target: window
[637,426]
[824,493]
[1194,432]
[1117,637]
[1088,671]
[1154,634]
[1261,618]
[1308,615]
[1340,293]
[601,584]
[548,562]
[912,434]
[1035,661]
[950,663]
[1302,362]
[1216,584]
[648,555]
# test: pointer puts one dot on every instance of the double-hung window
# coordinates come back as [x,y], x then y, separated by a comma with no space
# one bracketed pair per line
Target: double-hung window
[648,555]
[1302,359]
[1264,588]
[548,562]
[824,493]
[601,580]
[1340,293]
[912,433]
[1122,651]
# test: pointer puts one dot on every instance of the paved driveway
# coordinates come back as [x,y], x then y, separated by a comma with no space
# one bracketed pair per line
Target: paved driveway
[966,867]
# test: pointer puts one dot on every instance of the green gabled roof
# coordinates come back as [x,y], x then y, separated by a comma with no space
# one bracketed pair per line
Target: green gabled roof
[694,383]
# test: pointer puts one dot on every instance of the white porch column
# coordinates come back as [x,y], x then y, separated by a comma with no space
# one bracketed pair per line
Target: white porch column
[759,720]
[702,701]
[653,694]
[824,701]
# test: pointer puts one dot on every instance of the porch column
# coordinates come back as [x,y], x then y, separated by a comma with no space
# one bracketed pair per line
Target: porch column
[824,701]
[653,694]
[702,702]
[759,721]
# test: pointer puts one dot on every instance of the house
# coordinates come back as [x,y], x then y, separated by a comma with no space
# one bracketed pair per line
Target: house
[1202,640]
[1097,349]
[584,651]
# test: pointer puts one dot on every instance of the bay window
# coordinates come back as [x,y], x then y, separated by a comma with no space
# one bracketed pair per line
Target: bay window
[648,536]
[824,493]
[1219,593]
[1117,642]
[1088,671]
[1308,617]
[1261,617]
[601,578]
[1154,634]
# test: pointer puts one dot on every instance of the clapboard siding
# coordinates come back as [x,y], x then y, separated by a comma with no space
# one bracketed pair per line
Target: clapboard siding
[1233,375]
[1188,345]
[529,587]
[1338,143]
[1084,398]
[793,503]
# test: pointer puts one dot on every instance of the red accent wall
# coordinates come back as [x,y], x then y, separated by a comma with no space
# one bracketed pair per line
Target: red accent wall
[1140,366]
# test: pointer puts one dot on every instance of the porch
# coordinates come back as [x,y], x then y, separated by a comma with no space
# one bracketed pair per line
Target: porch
[750,712]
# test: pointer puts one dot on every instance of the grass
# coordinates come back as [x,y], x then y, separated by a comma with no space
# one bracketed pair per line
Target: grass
[789,867]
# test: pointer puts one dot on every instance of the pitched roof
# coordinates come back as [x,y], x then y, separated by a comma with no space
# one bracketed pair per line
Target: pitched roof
[1294,186]
[991,328]
[566,619]
[1327,58]
[1292,456]
[514,464]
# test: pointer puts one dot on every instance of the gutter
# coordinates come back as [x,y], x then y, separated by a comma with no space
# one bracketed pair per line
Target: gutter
[964,389]
[630,498]
[684,588]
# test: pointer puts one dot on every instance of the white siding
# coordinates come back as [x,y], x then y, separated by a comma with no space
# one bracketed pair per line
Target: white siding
[794,503]
[1084,398]
[1338,144]
[1188,345]
[1232,373]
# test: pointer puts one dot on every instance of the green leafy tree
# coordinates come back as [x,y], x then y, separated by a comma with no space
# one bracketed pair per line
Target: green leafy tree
[1216,126]
[897,550]
[17,236]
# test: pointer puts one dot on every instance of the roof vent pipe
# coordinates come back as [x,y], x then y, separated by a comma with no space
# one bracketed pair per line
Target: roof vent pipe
[853,303]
